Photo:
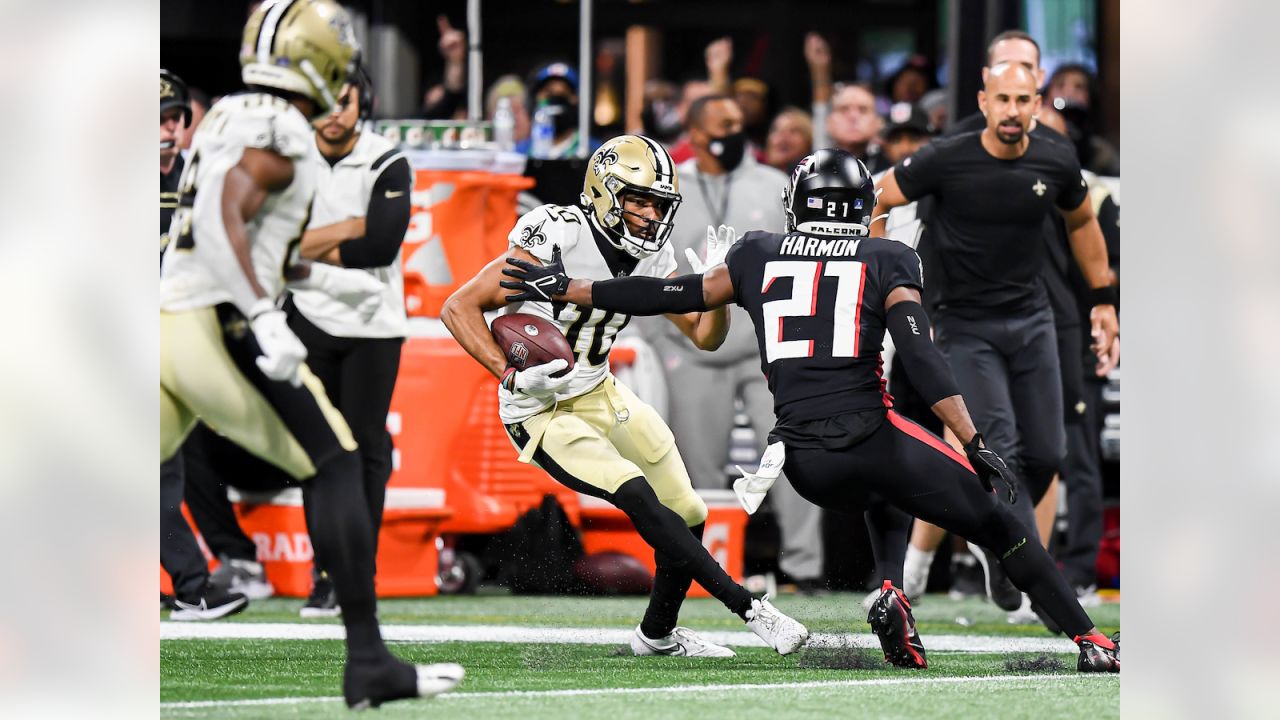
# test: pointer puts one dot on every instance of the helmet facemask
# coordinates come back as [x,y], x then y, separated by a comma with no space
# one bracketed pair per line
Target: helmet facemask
[655,231]
[632,166]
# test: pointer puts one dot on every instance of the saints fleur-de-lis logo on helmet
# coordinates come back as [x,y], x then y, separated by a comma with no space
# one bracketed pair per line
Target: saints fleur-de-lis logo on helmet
[631,164]
[608,156]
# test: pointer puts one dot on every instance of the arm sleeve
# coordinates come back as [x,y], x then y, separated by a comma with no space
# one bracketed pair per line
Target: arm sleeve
[918,174]
[1074,187]
[638,295]
[386,220]
[909,326]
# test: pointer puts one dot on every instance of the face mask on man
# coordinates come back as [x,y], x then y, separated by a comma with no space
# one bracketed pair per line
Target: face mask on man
[564,113]
[728,150]
[661,120]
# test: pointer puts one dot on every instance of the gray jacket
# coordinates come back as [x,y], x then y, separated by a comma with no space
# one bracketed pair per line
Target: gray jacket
[754,202]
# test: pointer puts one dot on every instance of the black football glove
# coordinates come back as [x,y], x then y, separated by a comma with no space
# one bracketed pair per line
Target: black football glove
[539,283]
[989,466]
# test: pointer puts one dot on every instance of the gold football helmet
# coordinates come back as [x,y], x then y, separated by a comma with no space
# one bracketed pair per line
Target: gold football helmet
[632,164]
[302,46]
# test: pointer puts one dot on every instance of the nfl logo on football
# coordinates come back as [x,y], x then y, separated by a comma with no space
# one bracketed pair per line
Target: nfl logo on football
[519,352]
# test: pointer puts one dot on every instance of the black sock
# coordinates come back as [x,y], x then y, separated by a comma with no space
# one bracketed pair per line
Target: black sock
[1032,571]
[338,521]
[667,534]
[889,529]
[670,585]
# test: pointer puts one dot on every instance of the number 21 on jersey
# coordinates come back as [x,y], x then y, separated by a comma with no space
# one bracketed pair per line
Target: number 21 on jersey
[851,279]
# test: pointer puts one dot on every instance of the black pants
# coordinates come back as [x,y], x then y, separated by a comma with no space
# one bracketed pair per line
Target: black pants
[179,554]
[214,463]
[1082,478]
[920,474]
[1081,471]
[359,376]
[1008,371]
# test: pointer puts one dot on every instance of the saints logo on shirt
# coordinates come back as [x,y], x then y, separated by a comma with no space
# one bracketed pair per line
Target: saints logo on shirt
[532,235]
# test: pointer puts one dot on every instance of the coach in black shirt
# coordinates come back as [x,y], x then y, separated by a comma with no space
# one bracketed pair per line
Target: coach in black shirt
[993,191]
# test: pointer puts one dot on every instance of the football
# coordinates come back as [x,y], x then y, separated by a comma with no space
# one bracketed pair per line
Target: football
[613,573]
[528,340]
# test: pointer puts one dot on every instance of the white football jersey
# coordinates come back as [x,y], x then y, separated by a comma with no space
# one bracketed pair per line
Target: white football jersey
[342,192]
[199,252]
[586,254]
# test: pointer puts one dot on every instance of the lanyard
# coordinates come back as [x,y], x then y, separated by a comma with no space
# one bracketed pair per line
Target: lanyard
[716,219]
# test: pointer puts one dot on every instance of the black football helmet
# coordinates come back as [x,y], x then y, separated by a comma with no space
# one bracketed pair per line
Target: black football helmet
[830,193]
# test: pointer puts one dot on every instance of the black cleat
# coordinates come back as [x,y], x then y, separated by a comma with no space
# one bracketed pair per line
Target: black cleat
[323,601]
[213,604]
[891,620]
[1098,653]
[999,588]
[370,684]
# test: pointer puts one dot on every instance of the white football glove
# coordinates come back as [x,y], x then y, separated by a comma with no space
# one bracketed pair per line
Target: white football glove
[349,286]
[718,244]
[537,381]
[751,488]
[282,352]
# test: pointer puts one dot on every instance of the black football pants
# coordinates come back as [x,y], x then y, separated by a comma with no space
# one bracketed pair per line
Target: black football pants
[214,462]
[180,556]
[918,473]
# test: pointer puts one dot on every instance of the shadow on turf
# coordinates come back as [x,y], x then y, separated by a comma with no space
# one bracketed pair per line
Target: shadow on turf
[1035,664]
[841,657]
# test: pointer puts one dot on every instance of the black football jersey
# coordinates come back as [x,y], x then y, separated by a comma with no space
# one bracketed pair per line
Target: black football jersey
[817,304]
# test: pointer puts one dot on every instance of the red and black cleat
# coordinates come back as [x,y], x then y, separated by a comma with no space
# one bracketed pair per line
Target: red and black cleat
[1098,653]
[891,620]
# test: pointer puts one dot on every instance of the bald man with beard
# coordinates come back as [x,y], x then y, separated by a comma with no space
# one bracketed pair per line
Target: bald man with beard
[993,190]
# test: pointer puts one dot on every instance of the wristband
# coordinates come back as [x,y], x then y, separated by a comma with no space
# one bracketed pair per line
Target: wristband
[1105,295]
[508,379]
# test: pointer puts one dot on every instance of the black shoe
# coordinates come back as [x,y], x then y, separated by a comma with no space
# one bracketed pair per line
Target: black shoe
[323,601]
[891,620]
[967,578]
[999,588]
[167,602]
[1098,654]
[213,604]
[370,684]
[813,587]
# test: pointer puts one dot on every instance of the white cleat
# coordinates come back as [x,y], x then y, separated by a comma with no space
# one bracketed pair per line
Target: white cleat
[438,678]
[682,642]
[779,631]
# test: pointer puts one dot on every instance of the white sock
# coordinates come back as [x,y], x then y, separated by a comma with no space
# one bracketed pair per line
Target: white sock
[917,561]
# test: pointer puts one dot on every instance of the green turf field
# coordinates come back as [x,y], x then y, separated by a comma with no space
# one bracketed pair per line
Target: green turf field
[271,678]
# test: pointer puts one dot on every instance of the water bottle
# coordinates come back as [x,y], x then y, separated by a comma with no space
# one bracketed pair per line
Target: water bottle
[543,133]
[504,125]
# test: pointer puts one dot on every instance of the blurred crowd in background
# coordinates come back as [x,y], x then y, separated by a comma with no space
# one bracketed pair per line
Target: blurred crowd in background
[726,115]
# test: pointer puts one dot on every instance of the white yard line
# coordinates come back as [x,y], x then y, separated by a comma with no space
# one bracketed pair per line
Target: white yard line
[582,636]
[666,690]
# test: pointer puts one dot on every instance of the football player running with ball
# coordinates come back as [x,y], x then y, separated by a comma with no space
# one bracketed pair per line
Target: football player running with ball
[821,297]
[587,430]
[228,357]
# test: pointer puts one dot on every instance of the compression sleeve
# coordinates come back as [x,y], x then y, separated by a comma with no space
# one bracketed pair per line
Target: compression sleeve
[386,220]
[923,361]
[649,296]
